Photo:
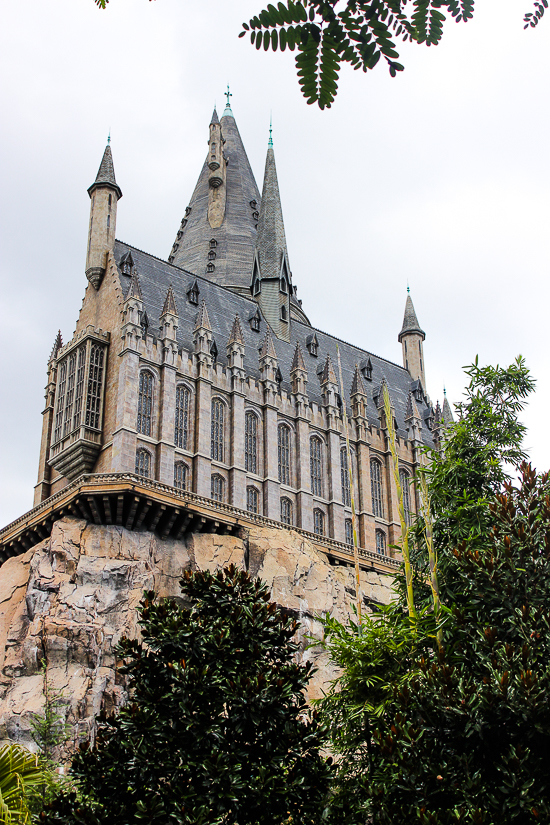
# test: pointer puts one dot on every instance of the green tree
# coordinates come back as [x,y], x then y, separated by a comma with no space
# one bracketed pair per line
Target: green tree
[361,33]
[458,731]
[217,729]
[19,771]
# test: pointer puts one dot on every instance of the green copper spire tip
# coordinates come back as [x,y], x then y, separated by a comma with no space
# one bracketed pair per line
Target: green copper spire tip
[444,392]
[270,141]
[408,289]
[227,110]
[109,137]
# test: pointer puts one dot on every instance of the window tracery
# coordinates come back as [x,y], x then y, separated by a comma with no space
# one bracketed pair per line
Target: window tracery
[251,443]
[181,430]
[283,453]
[181,475]
[316,467]
[376,488]
[143,463]
[217,430]
[286,511]
[145,402]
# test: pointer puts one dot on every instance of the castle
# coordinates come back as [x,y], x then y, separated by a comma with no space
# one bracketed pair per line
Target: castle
[195,394]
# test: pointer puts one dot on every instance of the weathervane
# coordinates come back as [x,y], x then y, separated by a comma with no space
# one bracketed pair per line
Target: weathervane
[228,95]
[270,131]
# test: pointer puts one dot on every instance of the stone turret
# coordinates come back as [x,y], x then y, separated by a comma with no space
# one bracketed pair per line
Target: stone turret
[358,395]
[298,380]
[411,339]
[271,282]
[169,327]
[203,338]
[104,194]
[235,353]
[329,385]
[217,191]
[413,421]
[269,367]
[132,314]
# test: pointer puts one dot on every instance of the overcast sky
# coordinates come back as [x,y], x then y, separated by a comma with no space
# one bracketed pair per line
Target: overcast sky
[439,177]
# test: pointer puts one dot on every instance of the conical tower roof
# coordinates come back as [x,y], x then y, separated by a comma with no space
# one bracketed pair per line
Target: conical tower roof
[106,174]
[448,416]
[271,240]
[236,237]
[410,321]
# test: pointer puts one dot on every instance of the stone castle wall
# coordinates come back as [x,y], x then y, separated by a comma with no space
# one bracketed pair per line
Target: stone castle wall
[71,598]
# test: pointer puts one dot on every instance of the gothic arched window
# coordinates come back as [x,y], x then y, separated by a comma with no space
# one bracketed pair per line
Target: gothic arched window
[61,389]
[181,430]
[315,454]
[344,477]
[217,430]
[405,486]
[376,488]
[143,463]
[217,485]
[145,403]
[319,522]
[251,443]
[381,542]
[283,453]
[252,500]
[286,511]
[181,475]
[348,528]
[95,381]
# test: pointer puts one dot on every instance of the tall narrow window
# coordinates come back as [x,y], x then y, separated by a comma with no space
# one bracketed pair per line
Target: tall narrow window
[283,453]
[182,417]
[348,527]
[376,488]
[319,522]
[381,542]
[217,430]
[181,475]
[95,382]
[286,511]
[251,443]
[108,221]
[315,453]
[79,387]
[405,486]
[143,463]
[71,373]
[252,499]
[145,403]
[217,488]
[61,388]
[344,477]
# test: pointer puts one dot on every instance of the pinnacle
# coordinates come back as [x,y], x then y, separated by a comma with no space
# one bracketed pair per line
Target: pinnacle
[169,303]
[268,347]
[412,409]
[236,336]
[298,360]
[438,415]
[328,376]
[106,174]
[202,318]
[410,321]
[448,416]
[57,344]
[215,118]
[134,290]
[357,386]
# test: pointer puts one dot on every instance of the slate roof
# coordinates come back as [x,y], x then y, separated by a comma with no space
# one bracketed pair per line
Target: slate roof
[155,276]
[236,237]
[271,240]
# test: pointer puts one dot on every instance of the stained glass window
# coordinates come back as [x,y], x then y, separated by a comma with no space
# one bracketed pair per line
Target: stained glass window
[143,463]
[251,443]
[181,475]
[319,522]
[405,486]
[217,488]
[182,417]
[349,531]
[252,499]
[145,403]
[381,542]
[286,511]
[283,453]
[344,477]
[376,488]
[217,430]
[315,457]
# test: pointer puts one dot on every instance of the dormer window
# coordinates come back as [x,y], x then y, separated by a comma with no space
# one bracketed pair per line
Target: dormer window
[284,316]
[283,285]
[366,369]
[257,286]
[126,263]
[193,294]
[254,322]
[253,204]
[187,211]
[312,345]
[210,267]
[255,215]
[211,255]
[213,243]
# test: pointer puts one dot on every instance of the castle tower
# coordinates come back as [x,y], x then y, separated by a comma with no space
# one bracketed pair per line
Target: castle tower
[271,276]
[104,194]
[411,339]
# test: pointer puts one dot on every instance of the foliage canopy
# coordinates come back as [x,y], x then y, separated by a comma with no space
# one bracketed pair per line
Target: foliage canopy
[329,33]
[217,729]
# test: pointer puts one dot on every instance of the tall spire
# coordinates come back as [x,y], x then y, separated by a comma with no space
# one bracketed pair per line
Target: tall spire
[411,339]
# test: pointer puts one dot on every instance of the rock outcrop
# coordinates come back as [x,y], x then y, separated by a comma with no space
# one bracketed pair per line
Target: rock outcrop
[70,599]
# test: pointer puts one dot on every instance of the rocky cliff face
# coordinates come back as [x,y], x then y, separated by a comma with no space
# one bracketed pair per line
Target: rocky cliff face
[71,598]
